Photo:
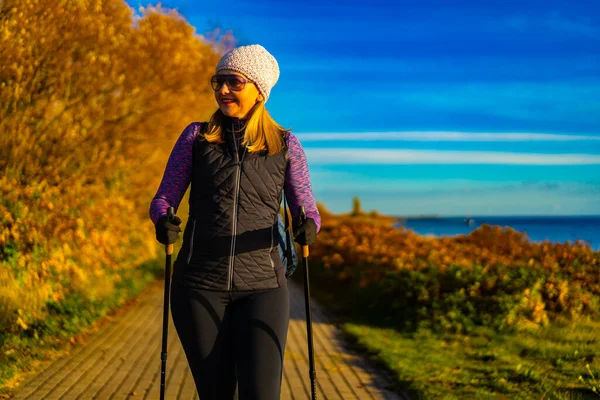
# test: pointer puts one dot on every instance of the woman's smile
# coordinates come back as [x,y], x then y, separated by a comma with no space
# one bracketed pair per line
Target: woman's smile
[228,102]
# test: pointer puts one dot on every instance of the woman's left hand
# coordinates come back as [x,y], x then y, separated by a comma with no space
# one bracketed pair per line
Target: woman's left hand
[305,233]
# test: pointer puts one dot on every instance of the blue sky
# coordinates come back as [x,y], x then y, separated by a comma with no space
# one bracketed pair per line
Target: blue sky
[433,107]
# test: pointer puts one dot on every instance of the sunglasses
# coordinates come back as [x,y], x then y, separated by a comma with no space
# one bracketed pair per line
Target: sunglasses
[234,82]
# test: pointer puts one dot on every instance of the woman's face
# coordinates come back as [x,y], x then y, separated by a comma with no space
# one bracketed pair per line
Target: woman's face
[236,103]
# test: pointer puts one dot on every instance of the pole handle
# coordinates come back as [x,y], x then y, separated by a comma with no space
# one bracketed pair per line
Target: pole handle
[303,219]
[170,215]
[305,251]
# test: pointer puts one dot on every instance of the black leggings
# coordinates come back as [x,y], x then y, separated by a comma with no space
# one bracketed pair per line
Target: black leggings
[233,337]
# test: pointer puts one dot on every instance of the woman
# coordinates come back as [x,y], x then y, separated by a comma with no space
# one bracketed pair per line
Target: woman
[229,298]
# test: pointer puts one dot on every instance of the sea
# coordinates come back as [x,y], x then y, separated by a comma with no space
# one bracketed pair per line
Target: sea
[538,228]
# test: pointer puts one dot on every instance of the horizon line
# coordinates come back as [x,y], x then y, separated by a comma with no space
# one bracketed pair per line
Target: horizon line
[473,216]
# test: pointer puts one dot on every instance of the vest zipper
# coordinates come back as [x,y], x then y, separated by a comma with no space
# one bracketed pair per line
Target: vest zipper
[235,207]
[234,233]
[192,243]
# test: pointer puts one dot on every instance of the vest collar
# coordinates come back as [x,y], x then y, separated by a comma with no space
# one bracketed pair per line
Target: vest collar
[232,124]
[234,135]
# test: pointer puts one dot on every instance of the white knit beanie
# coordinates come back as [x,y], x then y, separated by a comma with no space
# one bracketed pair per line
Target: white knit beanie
[255,62]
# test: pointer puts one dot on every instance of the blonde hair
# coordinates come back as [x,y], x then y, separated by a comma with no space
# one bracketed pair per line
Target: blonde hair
[262,132]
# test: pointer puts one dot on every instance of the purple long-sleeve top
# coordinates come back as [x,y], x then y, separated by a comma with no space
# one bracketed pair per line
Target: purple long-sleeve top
[178,173]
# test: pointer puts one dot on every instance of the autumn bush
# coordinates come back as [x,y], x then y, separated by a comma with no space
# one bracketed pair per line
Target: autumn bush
[495,276]
[92,98]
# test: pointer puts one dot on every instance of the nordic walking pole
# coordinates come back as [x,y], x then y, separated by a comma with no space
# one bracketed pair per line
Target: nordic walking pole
[163,354]
[311,351]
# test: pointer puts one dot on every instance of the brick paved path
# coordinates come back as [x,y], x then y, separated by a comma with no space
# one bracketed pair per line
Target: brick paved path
[122,360]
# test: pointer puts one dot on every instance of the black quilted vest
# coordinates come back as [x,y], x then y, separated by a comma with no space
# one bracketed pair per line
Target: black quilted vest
[230,240]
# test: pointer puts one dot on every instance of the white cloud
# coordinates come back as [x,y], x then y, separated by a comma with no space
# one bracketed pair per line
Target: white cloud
[442,136]
[570,198]
[381,156]
[332,181]
[582,27]
[553,22]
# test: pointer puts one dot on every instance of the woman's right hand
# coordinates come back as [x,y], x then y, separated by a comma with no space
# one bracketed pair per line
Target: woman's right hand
[167,232]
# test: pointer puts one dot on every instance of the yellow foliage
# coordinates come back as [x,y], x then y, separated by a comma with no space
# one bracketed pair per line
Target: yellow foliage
[92,102]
